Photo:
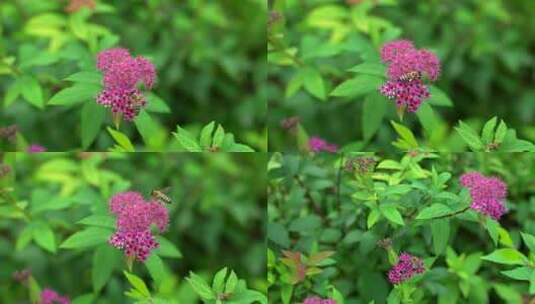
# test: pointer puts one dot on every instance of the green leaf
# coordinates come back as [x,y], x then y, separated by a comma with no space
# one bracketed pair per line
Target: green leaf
[434,211]
[12,93]
[294,84]
[529,240]
[488,130]
[522,273]
[278,234]
[532,284]
[360,85]
[440,230]
[88,237]
[218,284]
[469,136]
[99,221]
[187,140]
[44,237]
[405,134]
[138,284]
[501,131]
[373,217]
[507,256]
[313,83]
[91,77]
[79,92]
[305,224]
[167,249]
[156,104]
[391,214]
[156,268]
[219,135]
[31,91]
[373,111]
[370,68]
[92,118]
[206,135]
[286,293]
[439,98]
[492,227]
[232,282]
[122,140]
[148,128]
[104,260]
[84,299]
[200,286]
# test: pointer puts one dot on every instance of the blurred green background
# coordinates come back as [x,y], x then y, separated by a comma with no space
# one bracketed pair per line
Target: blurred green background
[217,218]
[209,55]
[485,46]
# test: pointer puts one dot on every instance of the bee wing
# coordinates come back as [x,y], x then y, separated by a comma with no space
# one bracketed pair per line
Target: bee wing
[165,190]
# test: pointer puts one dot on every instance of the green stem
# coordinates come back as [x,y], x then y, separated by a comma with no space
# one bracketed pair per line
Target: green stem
[280,48]
[453,213]
[11,200]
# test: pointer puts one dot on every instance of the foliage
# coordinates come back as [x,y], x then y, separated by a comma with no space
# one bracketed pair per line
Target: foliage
[335,230]
[55,219]
[325,69]
[209,58]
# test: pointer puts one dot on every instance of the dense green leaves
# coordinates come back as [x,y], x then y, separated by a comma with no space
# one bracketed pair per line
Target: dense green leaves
[211,139]
[373,111]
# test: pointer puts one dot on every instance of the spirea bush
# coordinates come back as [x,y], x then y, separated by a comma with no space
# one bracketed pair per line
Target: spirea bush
[84,228]
[354,73]
[110,75]
[412,228]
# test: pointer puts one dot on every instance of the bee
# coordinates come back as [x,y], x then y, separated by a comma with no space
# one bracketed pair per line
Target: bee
[137,102]
[161,196]
[410,76]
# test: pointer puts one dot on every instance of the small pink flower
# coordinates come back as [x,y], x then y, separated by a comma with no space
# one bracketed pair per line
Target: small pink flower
[406,67]
[406,268]
[49,296]
[135,216]
[488,193]
[34,148]
[122,75]
[316,144]
[318,300]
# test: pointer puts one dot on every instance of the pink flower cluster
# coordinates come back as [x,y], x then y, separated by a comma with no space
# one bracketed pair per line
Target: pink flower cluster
[406,268]
[122,74]
[34,148]
[488,193]
[406,66]
[316,144]
[135,216]
[49,296]
[317,300]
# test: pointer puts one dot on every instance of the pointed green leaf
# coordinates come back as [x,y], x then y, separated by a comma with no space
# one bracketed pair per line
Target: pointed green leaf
[91,121]
[88,237]
[79,92]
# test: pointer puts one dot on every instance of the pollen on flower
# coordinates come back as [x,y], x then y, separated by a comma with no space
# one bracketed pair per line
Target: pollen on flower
[49,296]
[135,216]
[406,268]
[122,75]
[406,66]
[318,300]
[317,144]
[487,193]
